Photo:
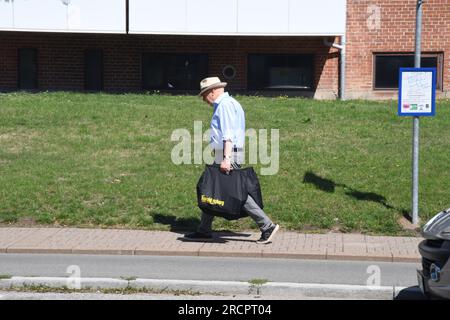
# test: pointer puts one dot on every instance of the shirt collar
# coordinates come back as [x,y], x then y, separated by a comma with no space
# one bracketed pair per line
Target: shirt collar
[220,98]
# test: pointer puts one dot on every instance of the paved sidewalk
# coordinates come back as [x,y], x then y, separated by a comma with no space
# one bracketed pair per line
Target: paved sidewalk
[333,246]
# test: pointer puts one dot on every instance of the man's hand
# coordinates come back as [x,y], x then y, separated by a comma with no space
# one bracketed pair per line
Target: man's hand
[225,165]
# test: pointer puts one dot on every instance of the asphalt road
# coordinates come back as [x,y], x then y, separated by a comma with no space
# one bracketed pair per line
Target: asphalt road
[213,268]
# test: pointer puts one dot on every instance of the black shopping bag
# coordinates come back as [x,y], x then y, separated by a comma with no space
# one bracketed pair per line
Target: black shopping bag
[221,194]
[253,186]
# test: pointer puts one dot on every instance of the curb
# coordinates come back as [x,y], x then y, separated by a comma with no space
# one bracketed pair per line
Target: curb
[200,253]
[268,289]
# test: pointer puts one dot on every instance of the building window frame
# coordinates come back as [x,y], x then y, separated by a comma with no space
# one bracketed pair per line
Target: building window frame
[102,76]
[439,68]
[310,56]
[165,71]
[19,69]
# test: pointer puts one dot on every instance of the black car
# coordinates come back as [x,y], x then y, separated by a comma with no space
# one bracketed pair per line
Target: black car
[434,278]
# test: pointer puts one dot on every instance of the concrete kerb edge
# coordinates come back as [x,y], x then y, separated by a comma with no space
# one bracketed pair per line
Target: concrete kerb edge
[335,291]
[211,287]
[219,287]
[62,282]
[272,255]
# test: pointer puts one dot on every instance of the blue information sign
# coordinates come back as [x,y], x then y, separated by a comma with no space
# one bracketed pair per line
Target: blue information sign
[417,92]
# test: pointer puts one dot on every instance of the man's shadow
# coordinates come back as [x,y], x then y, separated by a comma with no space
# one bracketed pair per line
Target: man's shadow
[186,225]
[329,186]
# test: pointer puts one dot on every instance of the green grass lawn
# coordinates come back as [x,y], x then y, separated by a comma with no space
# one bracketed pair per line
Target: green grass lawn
[105,161]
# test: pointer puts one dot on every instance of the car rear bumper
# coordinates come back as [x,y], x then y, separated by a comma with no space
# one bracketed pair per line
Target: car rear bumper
[435,253]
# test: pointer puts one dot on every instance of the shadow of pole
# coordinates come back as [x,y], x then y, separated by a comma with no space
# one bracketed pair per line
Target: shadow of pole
[329,186]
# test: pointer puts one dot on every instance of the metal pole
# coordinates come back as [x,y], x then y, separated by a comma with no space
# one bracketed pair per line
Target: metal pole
[415,153]
[343,67]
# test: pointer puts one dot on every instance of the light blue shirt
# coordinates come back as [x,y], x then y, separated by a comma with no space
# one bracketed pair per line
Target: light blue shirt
[228,122]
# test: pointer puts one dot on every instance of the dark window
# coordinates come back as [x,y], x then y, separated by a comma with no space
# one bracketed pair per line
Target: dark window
[173,71]
[387,68]
[280,71]
[93,69]
[27,69]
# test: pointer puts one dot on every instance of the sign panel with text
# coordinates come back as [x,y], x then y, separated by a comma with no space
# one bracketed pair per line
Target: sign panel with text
[417,92]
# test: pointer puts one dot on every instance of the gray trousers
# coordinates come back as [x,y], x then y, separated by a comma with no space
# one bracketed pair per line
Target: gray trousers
[250,206]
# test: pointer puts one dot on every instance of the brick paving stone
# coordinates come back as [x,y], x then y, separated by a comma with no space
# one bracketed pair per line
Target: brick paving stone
[347,256]
[65,240]
[406,258]
[349,249]
[292,252]
[406,254]
[380,250]
[9,236]
[104,242]
[286,244]
[354,238]
[232,248]
[335,237]
[354,247]
[165,243]
[35,241]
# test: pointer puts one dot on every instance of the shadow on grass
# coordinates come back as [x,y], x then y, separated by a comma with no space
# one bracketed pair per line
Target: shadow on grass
[319,182]
[329,186]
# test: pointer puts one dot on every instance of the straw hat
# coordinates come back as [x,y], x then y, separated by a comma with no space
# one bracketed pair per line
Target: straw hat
[210,83]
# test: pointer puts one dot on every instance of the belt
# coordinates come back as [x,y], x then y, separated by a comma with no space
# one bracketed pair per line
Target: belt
[234,149]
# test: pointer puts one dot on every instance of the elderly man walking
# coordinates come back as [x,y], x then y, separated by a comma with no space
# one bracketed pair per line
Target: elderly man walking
[228,139]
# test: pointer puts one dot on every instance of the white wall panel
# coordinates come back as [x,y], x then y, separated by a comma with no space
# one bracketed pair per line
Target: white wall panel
[96,15]
[63,15]
[158,16]
[263,16]
[6,14]
[225,17]
[40,15]
[238,17]
[202,16]
[320,17]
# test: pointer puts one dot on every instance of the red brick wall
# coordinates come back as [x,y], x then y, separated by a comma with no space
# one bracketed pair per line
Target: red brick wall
[396,33]
[60,57]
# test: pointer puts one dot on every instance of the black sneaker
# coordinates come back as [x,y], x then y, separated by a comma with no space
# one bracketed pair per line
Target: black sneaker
[198,236]
[266,236]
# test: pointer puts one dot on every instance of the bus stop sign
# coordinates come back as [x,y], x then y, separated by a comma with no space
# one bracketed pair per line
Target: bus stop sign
[417,92]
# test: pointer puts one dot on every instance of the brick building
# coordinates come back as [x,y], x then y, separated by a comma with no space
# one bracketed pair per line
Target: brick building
[262,46]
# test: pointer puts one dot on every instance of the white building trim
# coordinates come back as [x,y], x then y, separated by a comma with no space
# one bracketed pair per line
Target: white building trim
[239,17]
[178,17]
